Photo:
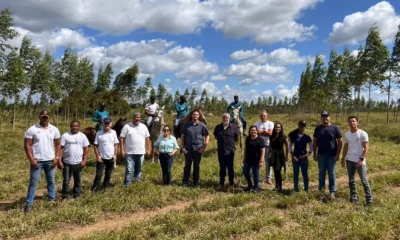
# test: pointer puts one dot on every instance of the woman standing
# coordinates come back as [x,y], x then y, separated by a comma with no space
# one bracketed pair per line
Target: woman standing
[166,147]
[298,141]
[277,156]
[253,158]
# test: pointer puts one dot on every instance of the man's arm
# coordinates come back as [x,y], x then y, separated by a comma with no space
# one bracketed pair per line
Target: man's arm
[148,146]
[339,148]
[57,143]
[115,151]
[85,156]
[96,152]
[315,147]
[122,146]
[29,153]
[95,117]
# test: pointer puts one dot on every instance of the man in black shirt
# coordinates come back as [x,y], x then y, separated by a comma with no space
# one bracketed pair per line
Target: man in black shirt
[227,135]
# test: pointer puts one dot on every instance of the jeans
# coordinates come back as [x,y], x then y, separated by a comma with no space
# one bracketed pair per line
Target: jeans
[244,122]
[226,162]
[327,163]
[303,165]
[166,165]
[362,172]
[133,167]
[195,158]
[108,164]
[35,177]
[268,172]
[68,171]
[255,168]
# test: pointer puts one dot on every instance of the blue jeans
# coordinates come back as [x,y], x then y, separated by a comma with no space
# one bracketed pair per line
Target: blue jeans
[255,168]
[226,162]
[166,164]
[35,177]
[243,121]
[362,172]
[133,167]
[303,165]
[327,163]
[195,158]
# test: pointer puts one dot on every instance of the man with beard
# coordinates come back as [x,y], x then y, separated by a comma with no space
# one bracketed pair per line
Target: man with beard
[226,135]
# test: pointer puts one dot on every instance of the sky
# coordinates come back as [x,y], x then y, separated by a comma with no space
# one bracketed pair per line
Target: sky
[249,48]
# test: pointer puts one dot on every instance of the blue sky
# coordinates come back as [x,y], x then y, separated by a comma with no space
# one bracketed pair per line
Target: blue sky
[251,48]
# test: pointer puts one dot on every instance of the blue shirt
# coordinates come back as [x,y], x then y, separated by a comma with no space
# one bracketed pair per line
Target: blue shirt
[166,145]
[235,105]
[326,136]
[194,135]
[99,115]
[299,143]
[181,109]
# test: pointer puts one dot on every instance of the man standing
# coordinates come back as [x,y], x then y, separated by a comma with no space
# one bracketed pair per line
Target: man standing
[99,115]
[265,128]
[105,148]
[194,141]
[182,109]
[151,109]
[355,152]
[327,145]
[75,146]
[226,135]
[40,140]
[238,105]
[135,140]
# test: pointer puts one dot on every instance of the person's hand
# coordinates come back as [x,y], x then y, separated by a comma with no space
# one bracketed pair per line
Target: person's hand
[98,159]
[343,162]
[184,151]
[123,154]
[360,163]
[260,164]
[303,156]
[83,164]
[315,158]
[35,164]
[295,159]
[201,150]
[55,163]
[336,158]
[171,154]
[148,153]
[61,165]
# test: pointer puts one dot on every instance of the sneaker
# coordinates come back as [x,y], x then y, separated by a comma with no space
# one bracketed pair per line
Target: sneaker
[219,188]
[254,190]
[269,181]
[332,196]
[353,199]
[247,189]
[369,204]
[27,209]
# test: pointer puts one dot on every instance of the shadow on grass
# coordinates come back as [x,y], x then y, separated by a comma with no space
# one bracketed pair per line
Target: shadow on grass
[7,206]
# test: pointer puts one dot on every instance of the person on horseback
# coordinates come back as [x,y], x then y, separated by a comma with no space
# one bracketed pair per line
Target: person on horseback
[99,115]
[238,105]
[182,109]
[151,109]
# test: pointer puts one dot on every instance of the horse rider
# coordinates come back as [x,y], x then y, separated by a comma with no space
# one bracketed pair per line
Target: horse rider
[238,105]
[182,109]
[99,115]
[151,109]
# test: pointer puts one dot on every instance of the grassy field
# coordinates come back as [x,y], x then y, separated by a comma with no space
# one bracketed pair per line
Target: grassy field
[202,213]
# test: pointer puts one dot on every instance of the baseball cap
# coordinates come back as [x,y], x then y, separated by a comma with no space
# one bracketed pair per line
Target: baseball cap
[302,123]
[325,113]
[44,113]
[102,104]
[107,120]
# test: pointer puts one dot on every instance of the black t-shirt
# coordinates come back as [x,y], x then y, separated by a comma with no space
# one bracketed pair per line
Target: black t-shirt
[253,150]
[277,142]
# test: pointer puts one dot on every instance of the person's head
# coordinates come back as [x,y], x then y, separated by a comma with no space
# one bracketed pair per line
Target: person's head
[263,116]
[325,118]
[195,115]
[302,126]
[166,130]
[236,98]
[152,99]
[353,122]
[225,118]
[74,126]
[136,118]
[182,98]
[253,131]
[107,122]
[102,106]
[44,117]
[278,129]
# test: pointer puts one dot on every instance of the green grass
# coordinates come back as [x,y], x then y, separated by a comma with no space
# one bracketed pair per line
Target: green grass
[265,215]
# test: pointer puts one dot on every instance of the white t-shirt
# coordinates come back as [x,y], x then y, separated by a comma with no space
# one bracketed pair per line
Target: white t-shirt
[135,138]
[73,145]
[355,141]
[151,107]
[265,126]
[43,141]
[105,142]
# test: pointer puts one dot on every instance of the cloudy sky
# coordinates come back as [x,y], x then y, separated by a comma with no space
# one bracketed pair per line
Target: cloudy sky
[247,47]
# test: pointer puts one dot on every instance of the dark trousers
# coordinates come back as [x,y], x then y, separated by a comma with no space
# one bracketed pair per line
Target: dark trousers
[108,164]
[278,179]
[195,158]
[255,168]
[226,162]
[166,165]
[303,165]
[68,171]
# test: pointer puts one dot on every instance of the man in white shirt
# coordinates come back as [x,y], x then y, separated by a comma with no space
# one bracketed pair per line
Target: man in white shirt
[40,141]
[355,151]
[75,146]
[151,109]
[105,148]
[265,128]
[135,142]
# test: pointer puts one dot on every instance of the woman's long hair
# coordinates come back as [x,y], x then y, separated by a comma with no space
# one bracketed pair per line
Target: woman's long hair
[273,135]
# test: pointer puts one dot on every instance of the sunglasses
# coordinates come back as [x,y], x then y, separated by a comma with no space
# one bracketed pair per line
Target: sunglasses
[166,130]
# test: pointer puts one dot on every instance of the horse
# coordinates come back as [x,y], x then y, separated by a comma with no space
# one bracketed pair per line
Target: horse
[237,121]
[156,127]
[90,133]
[117,127]
[188,118]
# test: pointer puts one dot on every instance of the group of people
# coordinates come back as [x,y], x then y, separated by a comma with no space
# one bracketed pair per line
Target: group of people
[266,142]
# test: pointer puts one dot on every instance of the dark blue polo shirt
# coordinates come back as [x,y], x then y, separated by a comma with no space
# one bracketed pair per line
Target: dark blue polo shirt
[326,136]
[226,138]
[194,135]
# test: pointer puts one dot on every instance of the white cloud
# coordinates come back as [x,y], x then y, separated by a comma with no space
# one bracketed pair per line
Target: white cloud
[218,77]
[243,54]
[281,91]
[249,81]
[263,73]
[280,56]
[265,22]
[354,27]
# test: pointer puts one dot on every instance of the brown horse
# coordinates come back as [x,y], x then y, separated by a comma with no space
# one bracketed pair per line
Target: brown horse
[188,118]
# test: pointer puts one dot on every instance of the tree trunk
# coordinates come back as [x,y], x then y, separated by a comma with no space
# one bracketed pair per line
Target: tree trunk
[58,109]
[13,118]
[369,100]
[1,123]
[388,100]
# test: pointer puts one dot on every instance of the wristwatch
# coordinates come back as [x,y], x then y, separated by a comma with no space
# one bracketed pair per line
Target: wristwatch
[361,159]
